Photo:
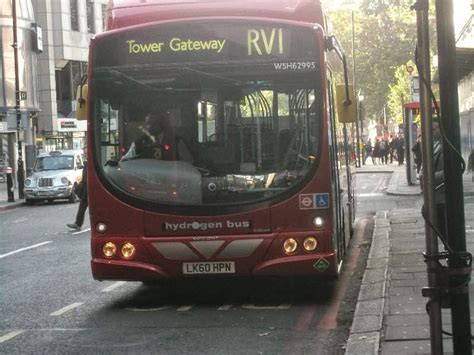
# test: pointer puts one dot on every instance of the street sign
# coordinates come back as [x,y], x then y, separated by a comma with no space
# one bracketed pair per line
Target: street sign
[23,95]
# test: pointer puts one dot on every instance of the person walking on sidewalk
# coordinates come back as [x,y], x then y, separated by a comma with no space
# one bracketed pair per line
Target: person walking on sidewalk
[439,186]
[376,152]
[368,151]
[417,154]
[470,164]
[400,149]
[82,194]
[438,162]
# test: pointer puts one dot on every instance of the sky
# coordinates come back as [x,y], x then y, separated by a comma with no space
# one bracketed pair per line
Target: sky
[462,11]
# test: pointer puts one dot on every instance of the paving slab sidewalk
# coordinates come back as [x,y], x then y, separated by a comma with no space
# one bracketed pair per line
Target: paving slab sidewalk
[390,316]
[4,204]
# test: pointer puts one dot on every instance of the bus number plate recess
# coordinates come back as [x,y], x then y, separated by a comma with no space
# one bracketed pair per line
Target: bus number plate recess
[219,267]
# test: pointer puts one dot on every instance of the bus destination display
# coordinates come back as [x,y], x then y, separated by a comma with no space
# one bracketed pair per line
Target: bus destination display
[196,42]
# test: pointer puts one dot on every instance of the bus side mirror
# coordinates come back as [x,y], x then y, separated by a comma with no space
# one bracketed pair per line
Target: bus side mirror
[346,109]
[81,102]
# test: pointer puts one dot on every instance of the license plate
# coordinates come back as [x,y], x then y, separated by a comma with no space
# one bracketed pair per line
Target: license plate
[216,267]
[44,193]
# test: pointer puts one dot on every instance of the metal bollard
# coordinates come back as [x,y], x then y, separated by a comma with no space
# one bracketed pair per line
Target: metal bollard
[11,197]
[21,179]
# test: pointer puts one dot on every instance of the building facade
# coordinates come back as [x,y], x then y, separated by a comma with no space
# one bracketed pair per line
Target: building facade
[28,44]
[68,26]
[465,66]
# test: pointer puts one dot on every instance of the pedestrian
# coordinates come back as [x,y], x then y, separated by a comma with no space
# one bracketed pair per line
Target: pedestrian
[470,164]
[368,151]
[82,194]
[376,153]
[439,183]
[383,151]
[387,150]
[400,150]
[417,157]
[393,148]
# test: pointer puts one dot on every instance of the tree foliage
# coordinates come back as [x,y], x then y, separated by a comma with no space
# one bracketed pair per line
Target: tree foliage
[384,40]
[399,92]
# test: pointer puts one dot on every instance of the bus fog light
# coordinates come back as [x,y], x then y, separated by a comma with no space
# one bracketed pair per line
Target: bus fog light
[310,243]
[109,249]
[290,245]
[128,250]
[318,222]
[101,227]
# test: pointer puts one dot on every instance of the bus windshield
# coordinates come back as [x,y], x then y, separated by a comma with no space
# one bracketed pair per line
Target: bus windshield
[199,113]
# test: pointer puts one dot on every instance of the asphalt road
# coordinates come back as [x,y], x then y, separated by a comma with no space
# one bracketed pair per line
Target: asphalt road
[50,304]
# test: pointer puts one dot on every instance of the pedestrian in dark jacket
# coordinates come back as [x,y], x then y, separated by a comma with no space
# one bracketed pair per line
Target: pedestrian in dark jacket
[82,194]
[393,148]
[439,182]
[376,153]
[385,150]
[401,150]
[417,154]
[368,151]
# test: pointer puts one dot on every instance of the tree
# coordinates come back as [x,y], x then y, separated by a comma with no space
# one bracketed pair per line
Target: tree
[385,39]
[399,92]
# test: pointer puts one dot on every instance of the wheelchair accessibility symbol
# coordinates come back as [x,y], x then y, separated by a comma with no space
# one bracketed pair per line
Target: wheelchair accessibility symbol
[321,200]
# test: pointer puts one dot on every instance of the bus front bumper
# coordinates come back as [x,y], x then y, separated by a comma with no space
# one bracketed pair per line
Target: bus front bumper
[313,265]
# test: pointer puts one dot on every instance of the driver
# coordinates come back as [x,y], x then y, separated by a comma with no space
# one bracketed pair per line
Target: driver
[159,141]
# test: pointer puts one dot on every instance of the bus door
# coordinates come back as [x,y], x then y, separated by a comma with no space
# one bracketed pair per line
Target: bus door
[338,204]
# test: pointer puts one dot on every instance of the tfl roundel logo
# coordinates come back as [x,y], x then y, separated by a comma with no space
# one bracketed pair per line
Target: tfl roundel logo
[314,201]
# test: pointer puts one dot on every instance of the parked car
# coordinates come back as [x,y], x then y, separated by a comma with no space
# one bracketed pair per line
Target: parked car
[55,176]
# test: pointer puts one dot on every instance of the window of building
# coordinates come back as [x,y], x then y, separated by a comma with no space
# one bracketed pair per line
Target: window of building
[74,15]
[104,15]
[67,80]
[90,16]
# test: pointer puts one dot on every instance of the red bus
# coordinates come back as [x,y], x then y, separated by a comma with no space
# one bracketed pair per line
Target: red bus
[246,87]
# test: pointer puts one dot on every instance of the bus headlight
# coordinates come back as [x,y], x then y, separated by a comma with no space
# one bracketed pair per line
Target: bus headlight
[109,249]
[318,222]
[128,250]
[310,243]
[101,227]
[290,245]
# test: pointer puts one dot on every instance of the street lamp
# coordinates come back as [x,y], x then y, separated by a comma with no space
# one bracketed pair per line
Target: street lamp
[18,94]
[360,98]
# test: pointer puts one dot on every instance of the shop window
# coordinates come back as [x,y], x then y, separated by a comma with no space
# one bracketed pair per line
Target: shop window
[90,16]
[104,16]
[67,80]
[74,15]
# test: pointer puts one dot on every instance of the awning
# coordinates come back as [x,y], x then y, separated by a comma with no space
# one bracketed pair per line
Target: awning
[464,61]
